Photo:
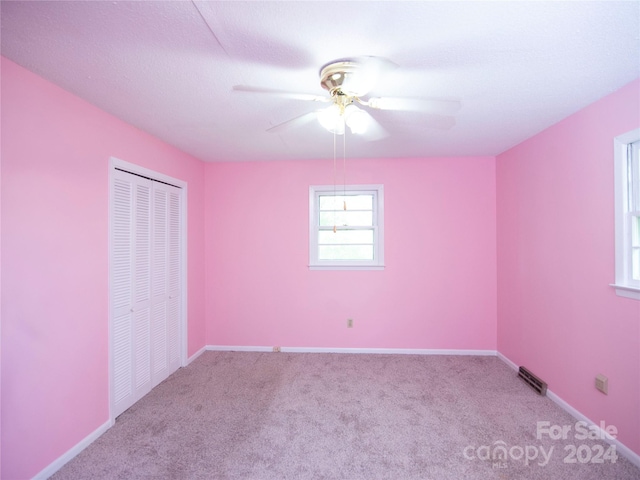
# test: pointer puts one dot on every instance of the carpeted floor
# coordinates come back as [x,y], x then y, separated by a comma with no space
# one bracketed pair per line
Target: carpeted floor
[262,416]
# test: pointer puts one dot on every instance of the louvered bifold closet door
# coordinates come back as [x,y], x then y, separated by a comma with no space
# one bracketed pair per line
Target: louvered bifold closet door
[145,286]
[174,283]
[131,290]
[165,284]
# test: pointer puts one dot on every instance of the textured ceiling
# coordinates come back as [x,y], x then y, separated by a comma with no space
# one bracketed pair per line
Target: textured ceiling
[169,67]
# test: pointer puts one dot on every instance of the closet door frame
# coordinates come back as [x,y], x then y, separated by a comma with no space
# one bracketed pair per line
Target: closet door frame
[117,164]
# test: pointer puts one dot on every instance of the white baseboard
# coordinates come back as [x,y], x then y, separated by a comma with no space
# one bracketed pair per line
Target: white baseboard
[621,448]
[390,351]
[386,351]
[508,362]
[70,454]
[196,355]
[235,348]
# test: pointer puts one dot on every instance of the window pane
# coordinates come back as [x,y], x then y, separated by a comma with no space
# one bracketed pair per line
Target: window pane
[346,218]
[345,237]
[354,202]
[635,264]
[634,181]
[635,231]
[345,252]
[360,202]
[329,202]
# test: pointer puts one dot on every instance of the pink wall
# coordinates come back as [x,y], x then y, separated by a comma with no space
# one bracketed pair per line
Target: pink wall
[438,290]
[55,153]
[549,278]
[557,314]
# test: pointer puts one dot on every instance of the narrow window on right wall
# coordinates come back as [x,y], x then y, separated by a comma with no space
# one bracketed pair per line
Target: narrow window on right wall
[627,215]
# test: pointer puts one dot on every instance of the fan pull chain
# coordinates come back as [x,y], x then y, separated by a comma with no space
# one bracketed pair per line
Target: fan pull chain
[344,169]
[335,180]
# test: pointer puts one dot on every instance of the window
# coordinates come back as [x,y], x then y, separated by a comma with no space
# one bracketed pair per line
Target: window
[346,227]
[627,204]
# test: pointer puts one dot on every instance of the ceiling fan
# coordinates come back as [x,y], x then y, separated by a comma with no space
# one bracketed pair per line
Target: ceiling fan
[348,82]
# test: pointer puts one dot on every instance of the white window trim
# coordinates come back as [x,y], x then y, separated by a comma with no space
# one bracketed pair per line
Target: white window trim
[624,285]
[378,257]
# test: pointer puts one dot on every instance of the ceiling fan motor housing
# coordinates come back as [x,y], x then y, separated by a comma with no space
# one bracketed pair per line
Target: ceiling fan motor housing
[336,78]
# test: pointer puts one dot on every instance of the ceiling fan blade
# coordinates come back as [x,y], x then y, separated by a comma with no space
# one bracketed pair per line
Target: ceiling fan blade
[281,93]
[294,122]
[374,131]
[415,104]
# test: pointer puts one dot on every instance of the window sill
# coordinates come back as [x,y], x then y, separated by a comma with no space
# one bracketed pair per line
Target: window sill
[346,267]
[626,291]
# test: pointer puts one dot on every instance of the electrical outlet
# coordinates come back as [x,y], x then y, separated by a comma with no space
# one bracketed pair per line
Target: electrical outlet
[276,349]
[602,384]
[349,322]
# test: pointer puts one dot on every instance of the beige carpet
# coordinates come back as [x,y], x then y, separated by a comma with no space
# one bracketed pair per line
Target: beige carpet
[338,416]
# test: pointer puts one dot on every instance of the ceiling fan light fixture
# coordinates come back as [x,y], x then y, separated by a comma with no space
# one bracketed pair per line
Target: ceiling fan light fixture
[331,118]
[356,119]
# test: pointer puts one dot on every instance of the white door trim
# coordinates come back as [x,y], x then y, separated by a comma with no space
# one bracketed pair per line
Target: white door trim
[115,163]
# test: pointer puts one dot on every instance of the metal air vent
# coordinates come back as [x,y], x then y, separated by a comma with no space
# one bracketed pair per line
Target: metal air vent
[533,381]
